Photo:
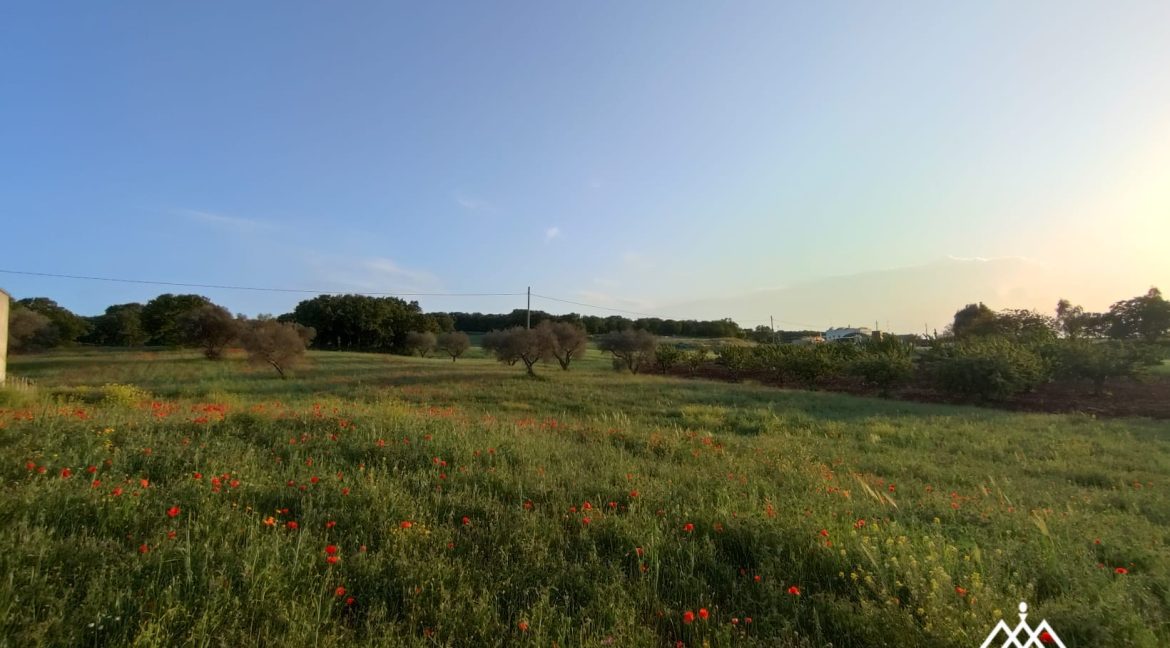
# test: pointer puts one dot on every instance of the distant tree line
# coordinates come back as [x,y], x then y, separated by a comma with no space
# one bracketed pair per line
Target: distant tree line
[594,325]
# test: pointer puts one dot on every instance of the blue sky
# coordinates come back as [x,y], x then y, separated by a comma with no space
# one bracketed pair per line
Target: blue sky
[630,155]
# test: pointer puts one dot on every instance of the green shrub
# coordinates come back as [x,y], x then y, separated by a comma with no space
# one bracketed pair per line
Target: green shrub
[666,356]
[989,367]
[1099,361]
[117,395]
[883,370]
[735,358]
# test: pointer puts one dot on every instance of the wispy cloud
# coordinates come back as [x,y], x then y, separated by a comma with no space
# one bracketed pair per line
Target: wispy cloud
[607,300]
[472,203]
[377,274]
[1001,258]
[223,220]
[637,261]
[551,233]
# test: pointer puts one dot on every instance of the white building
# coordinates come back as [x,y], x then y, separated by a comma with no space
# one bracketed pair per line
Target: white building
[848,334]
[3,336]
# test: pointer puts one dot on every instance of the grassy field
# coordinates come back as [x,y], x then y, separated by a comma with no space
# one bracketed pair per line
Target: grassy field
[159,499]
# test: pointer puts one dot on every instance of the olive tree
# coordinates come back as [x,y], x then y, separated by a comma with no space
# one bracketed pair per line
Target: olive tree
[209,327]
[569,340]
[526,345]
[280,345]
[453,343]
[420,342]
[632,349]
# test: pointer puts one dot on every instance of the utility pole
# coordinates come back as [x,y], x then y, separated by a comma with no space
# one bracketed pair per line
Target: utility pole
[772,324]
[528,321]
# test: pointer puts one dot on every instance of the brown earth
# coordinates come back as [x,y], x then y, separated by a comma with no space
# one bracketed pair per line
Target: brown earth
[1147,396]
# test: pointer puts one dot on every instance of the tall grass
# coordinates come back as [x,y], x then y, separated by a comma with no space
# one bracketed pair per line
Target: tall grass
[469,505]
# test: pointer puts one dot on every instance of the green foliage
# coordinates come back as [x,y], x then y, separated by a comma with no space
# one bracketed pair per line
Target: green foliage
[633,348]
[1099,361]
[666,356]
[453,343]
[117,395]
[30,331]
[208,327]
[735,357]
[521,344]
[569,340]
[119,326]
[1146,317]
[884,363]
[63,327]
[988,367]
[362,323]
[280,345]
[420,342]
[160,317]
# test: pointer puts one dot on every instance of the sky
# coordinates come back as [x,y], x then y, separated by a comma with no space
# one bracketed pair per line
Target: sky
[632,156]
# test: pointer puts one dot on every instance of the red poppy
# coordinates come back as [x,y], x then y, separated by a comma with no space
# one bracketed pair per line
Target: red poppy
[330,524]
[824,533]
[66,473]
[331,549]
[144,482]
[688,617]
[198,475]
[703,613]
[523,625]
[688,527]
[585,521]
[633,494]
[143,548]
[345,491]
[466,521]
[960,591]
[350,601]
[171,535]
[340,591]
[91,469]
[1121,570]
[117,491]
[314,479]
[292,524]
[332,560]
[1045,637]
[173,511]
[794,590]
[405,524]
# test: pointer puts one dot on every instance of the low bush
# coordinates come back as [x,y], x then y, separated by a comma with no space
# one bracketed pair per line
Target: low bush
[990,368]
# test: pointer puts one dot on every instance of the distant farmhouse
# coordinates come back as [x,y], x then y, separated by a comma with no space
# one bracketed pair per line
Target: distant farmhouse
[848,334]
[3,336]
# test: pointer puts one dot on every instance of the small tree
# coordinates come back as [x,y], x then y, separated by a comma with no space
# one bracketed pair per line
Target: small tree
[209,327]
[569,341]
[526,345]
[694,358]
[632,349]
[1146,317]
[453,343]
[29,330]
[420,342]
[666,356]
[280,345]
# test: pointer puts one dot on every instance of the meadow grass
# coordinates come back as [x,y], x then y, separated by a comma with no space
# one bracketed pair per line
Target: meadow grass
[469,505]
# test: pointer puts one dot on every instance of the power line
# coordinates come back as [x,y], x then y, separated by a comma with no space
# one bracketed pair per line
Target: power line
[177,284]
[258,289]
[616,310]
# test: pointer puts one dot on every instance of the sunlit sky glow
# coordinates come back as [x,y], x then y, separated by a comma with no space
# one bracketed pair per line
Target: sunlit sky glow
[643,156]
